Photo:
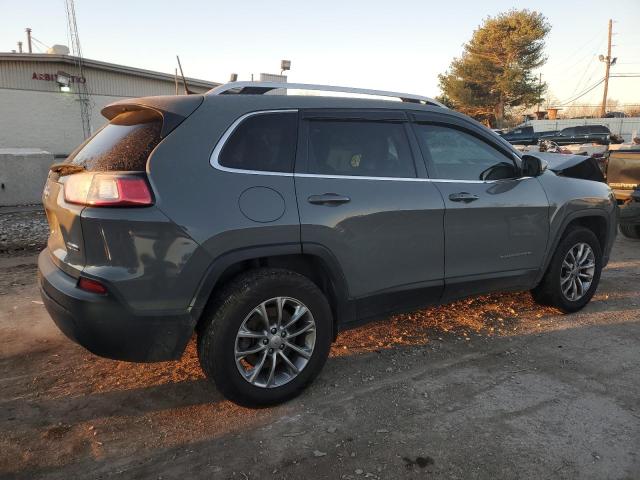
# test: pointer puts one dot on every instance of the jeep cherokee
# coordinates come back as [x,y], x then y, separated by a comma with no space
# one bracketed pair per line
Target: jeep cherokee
[265,224]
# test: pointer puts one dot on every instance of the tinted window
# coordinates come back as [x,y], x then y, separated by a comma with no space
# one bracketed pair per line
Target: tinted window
[568,132]
[372,149]
[264,142]
[457,155]
[599,129]
[581,131]
[123,144]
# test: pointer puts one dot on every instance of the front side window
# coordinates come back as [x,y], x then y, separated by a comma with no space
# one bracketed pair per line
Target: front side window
[264,142]
[454,154]
[359,148]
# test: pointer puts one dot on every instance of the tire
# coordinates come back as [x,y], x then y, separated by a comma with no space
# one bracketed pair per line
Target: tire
[550,289]
[238,305]
[630,231]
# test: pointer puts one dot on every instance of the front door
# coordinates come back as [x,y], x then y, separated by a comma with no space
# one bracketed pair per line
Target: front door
[496,223]
[362,197]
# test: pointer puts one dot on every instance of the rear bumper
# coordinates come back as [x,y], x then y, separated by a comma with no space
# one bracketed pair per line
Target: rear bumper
[106,327]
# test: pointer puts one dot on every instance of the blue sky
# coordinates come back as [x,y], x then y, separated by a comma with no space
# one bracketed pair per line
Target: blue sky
[395,45]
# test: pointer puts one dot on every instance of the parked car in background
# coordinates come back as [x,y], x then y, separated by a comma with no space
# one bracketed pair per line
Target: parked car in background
[524,135]
[581,134]
[265,224]
[622,170]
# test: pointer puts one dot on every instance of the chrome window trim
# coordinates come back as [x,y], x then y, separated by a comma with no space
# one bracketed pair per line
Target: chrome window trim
[396,179]
[214,160]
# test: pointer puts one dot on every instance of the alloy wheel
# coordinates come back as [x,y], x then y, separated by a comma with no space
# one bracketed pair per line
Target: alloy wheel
[275,342]
[578,269]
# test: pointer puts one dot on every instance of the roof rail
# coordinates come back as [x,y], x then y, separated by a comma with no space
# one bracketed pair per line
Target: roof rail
[259,88]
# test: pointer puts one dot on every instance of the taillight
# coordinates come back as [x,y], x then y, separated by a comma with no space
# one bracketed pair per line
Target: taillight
[92,286]
[107,190]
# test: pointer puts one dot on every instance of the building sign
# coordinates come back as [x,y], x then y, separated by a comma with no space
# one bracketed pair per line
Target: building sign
[52,77]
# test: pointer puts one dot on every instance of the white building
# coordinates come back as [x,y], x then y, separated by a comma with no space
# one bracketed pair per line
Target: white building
[36,113]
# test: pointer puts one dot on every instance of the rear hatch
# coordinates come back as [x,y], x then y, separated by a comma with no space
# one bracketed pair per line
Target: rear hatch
[108,170]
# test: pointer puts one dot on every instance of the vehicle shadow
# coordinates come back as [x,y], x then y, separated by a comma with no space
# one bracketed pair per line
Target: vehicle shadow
[175,430]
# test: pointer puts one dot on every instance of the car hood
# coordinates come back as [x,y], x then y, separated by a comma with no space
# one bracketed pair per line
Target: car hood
[559,162]
[576,166]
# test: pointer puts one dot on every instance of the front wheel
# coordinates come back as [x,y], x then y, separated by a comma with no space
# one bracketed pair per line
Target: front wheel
[573,274]
[268,337]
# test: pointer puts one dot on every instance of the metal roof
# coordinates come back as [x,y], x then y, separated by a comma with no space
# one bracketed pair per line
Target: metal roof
[99,65]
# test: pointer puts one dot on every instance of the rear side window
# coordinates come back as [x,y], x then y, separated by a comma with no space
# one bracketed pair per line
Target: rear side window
[357,148]
[264,142]
[124,144]
[599,129]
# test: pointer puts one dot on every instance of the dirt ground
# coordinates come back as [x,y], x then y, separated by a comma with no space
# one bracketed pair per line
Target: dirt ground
[490,387]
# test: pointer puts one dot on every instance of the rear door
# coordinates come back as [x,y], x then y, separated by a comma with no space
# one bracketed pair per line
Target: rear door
[565,136]
[582,135]
[496,223]
[362,197]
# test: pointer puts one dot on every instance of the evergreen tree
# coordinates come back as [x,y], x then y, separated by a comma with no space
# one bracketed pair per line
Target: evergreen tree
[495,71]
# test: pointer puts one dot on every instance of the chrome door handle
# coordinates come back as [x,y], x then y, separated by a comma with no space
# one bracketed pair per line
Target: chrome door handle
[465,197]
[329,199]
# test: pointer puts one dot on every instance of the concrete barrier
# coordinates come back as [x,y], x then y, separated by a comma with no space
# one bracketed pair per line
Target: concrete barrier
[23,172]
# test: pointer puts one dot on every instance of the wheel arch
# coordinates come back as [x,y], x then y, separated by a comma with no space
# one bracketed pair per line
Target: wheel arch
[596,220]
[313,261]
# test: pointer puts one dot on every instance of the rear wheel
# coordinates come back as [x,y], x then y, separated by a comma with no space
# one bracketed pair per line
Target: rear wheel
[573,273]
[630,231]
[267,338]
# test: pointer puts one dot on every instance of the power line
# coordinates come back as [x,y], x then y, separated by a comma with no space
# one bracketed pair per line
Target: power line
[582,94]
[581,84]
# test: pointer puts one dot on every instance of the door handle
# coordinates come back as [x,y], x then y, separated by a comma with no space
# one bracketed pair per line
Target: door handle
[329,199]
[465,197]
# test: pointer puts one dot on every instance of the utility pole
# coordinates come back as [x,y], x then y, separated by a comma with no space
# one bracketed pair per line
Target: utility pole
[539,94]
[29,40]
[607,62]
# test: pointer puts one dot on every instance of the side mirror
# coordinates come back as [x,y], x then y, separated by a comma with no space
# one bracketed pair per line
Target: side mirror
[532,166]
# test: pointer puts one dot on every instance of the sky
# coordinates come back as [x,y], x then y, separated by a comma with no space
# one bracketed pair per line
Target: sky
[399,45]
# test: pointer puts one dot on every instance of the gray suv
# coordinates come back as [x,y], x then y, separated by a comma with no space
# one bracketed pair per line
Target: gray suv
[265,224]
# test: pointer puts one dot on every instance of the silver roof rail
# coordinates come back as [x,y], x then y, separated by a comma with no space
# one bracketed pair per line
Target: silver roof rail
[259,88]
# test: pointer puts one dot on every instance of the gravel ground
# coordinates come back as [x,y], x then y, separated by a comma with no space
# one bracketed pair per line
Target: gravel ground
[22,230]
[489,387]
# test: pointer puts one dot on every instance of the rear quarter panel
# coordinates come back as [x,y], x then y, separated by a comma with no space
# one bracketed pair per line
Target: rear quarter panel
[204,201]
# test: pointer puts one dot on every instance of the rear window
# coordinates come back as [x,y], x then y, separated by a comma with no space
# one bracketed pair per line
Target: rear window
[124,144]
[264,142]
